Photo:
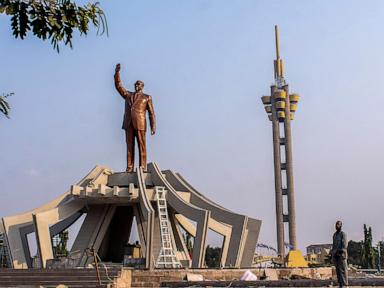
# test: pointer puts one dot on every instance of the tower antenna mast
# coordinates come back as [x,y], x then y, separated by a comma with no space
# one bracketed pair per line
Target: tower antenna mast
[278,63]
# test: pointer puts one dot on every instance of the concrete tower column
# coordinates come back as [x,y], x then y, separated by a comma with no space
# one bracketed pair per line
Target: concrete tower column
[277,172]
[289,171]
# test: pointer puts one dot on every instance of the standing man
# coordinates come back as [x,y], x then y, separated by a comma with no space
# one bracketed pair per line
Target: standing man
[339,255]
[134,123]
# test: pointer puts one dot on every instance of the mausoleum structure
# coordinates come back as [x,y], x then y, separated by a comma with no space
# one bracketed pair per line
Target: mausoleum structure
[164,206]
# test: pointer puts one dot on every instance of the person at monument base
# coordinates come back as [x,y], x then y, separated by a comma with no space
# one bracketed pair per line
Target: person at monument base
[339,254]
[134,123]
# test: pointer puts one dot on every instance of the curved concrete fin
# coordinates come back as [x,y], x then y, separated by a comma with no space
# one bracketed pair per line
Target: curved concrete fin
[104,227]
[63,225]
[182,250]
[141,227]
[42,222]
[98,233]
[252,235]
[186,224]
[200,216]
[94,228]
[96,171]
[149,215]
[13,225]
[218,227]
[236,221]
[177,179]
[225,231]
[96,214]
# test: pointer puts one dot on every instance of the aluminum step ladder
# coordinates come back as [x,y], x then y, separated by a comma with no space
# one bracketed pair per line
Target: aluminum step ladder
[167,257]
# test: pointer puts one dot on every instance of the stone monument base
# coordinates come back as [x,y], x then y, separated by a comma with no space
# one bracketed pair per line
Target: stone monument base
[111,202]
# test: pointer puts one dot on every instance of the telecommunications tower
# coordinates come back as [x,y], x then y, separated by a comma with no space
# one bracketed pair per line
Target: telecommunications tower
[281,107]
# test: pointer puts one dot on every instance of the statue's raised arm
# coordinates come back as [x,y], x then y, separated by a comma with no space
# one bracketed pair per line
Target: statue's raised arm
[118,84]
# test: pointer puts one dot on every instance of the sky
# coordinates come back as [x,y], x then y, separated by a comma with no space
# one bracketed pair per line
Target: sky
[206,65]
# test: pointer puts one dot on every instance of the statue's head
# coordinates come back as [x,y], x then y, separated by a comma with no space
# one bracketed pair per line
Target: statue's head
[139,86]
[338,225]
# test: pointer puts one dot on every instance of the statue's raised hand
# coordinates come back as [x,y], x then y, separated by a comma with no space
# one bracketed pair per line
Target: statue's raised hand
[117,69]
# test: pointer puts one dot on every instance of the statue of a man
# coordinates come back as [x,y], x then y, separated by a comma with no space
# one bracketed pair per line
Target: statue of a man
[134,123]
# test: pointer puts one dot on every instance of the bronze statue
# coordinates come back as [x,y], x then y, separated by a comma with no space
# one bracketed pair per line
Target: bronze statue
[134,123]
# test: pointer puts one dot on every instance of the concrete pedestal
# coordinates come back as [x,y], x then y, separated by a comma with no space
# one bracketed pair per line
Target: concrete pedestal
[112,201]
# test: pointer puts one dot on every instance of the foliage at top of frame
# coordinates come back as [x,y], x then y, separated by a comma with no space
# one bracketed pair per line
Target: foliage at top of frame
[53,20]
[4,106]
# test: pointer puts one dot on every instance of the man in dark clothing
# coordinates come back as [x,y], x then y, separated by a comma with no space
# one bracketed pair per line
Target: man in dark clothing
[339,255]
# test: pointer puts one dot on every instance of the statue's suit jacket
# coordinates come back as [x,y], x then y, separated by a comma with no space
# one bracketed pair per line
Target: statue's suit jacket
[136,104]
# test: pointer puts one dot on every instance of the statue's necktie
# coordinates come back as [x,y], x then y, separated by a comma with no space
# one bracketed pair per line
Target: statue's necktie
[135,96]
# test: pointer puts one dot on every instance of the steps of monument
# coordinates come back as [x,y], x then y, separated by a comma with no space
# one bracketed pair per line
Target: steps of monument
[150,280]
[64,270]
[373,282]
[147,284]
[71,285]
[54,277]
[56,284]
[51,282]
[4,275]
